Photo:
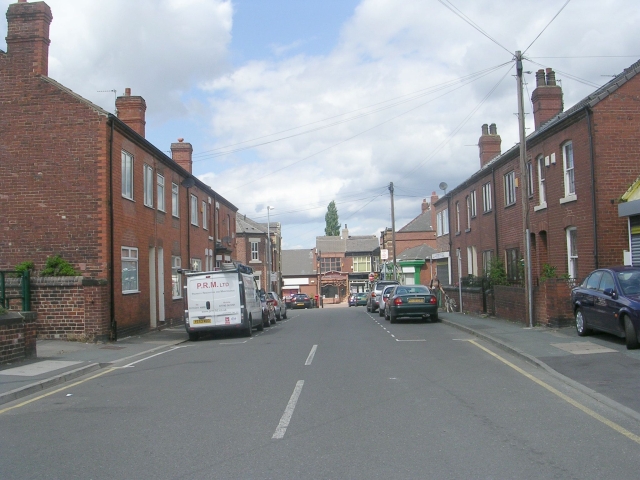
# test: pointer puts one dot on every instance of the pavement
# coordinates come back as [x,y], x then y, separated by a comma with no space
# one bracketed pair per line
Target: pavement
[598,365]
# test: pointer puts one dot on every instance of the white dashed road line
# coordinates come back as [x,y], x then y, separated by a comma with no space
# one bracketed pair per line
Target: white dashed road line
[288,412]
[311,355]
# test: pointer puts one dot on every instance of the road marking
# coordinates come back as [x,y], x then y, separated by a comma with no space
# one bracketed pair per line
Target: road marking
[564,397]
[288,412]
[56,391]
[151,356]
[311,355]
[416,340]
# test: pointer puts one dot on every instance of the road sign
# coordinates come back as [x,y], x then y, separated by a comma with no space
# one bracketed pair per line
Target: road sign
[384,254]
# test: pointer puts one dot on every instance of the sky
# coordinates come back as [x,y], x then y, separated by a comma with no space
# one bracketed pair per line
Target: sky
[294,103]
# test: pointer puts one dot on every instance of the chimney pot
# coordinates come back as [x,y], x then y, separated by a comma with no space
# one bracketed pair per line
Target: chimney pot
[551,77]
[540,81]
[493,130]
[546,98]
[485,129]
[181,140]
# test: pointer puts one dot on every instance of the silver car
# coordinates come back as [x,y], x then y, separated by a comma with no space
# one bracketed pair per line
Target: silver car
[383,300]
[279,305]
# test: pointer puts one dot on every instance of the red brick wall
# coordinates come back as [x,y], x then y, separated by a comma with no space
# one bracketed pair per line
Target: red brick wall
[552,303]
[509,303]
[17,338]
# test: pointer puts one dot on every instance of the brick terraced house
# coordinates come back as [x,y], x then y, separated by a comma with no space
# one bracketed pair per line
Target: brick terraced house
[82,183]
[580,163]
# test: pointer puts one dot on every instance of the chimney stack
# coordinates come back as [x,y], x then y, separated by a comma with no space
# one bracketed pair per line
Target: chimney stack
[345,232]
[181,153]
[489,144]
[28,36]
[546,98]
[131,110]
[425,205]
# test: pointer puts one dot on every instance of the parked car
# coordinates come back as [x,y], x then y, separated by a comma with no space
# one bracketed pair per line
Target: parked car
[361,299]
[352,300]
[287,301]
[376,292]
[608,300]
[414,301]
[383,299]
[301,300]
[278,304]
[268,310]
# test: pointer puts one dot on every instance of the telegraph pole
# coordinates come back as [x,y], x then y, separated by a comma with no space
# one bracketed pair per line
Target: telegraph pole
[524,194]
[393,232]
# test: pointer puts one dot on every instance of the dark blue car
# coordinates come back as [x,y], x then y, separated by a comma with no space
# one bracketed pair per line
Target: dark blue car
[608,300]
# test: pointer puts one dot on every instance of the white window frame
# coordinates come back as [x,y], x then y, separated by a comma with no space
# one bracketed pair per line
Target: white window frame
[568,166]
[542,192]
[530,178]
[472,197]
[194,210]
[175,200]
[176,277]
[255,250]
[127,175]
[486,197]
[160,182]
[204,215]
[457,217]
[468,202]
[130,269]
[472,261]
[148,185]
[195,264]
[362,264]
[445,221]
[510,188]
[572,252]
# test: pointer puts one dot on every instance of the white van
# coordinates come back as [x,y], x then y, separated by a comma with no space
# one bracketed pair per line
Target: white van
[226,299]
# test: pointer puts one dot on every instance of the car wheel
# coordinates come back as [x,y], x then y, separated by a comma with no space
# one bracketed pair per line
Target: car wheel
[193,336]
[386,315]
[581,324]
[434,317]
[392,318]
[262,324]
[284,315]
[278,316]
[368,309]
[630,334]
[380,312]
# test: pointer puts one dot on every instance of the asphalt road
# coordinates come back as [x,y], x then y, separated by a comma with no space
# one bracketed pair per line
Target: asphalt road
[333,393]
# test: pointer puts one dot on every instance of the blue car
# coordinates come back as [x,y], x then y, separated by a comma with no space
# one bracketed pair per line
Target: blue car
[608,300]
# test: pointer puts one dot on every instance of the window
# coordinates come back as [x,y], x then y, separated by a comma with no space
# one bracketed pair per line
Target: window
[196,264]
[127,175]
[129,257]
[468,202]
[194,210]
[442,222]
[148,186]
[204,215]
[362,264]
[567,161]
[542,193]
[216,220]
[330,264]
[458,217]
[176,278]
[572,251]
[486,197]
[512,262]
[254,251]
[510,188]
[160,181]
[487,258]
[472,261]
[473,203]
[208,257]
[175,209]
[530,178]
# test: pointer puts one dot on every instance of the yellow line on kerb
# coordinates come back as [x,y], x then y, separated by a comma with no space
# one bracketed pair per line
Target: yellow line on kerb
[57,390]
[566,398]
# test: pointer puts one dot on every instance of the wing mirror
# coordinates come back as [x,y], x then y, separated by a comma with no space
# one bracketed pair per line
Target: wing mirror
[610,292]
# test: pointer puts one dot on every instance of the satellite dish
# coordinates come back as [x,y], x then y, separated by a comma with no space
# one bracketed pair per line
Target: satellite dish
[443,186]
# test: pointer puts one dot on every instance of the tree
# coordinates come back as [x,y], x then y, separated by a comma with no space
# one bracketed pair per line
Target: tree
[332,228]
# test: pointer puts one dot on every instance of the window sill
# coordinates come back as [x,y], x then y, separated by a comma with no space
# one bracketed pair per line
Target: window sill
[542,206]
[255,261]
[568,198]
[177,298]
[131,292]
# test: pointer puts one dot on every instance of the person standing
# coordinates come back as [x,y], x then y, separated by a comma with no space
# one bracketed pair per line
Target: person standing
[436,287]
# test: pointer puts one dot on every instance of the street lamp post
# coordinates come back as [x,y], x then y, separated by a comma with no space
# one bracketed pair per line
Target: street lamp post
[269,208]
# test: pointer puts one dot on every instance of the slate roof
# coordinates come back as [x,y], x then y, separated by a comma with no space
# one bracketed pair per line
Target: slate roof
[331,244]
[589,101]
[421,252]
[298,262]
[362,243]
[247,226]
[422,223]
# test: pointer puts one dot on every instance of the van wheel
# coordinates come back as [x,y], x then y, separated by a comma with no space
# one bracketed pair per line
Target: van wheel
[260,326]
[630,334]
[247,331]
[193,336]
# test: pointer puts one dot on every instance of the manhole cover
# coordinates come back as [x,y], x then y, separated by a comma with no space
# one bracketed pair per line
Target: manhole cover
[583,348]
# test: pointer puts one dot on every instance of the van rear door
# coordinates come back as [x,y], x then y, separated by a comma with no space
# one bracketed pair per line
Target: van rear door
[214,299]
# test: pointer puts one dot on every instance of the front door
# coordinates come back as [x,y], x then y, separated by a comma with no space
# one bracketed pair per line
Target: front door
[153,313]
[160,284]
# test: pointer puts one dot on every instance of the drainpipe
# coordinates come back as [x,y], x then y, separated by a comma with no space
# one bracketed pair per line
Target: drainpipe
[495,212]
[113,326]
[593,189]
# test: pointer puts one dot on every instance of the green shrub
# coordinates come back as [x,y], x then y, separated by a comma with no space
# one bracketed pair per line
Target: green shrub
[497,273]
[547,272]
[56,266]
[24,266]
[2,310]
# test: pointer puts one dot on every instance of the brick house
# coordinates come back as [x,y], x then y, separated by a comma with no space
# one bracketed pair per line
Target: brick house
[580,162]
[80,182]
[252,250]
[299,272]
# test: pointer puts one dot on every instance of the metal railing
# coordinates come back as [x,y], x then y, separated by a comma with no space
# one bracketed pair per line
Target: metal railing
[24,288]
